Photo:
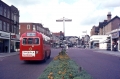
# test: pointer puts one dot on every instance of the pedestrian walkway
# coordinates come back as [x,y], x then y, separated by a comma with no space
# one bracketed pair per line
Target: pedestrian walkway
[113,53]
[8,54]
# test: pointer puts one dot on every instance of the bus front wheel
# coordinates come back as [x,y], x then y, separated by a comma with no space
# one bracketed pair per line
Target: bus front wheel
[49,54]
[45,58]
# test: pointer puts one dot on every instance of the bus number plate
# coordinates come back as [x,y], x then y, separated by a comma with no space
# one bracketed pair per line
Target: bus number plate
[28,53]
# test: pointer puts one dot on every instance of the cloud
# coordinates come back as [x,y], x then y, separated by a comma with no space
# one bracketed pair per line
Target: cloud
[25,2]
[111,3]
[84,13]
[106,3]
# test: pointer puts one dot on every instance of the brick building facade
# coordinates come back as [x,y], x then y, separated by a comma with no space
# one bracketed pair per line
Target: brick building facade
[9,27]
[23,27]
[94,30]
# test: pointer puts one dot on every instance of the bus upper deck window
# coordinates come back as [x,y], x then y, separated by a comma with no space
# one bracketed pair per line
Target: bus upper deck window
[24,40]
[30,40]
[36,40]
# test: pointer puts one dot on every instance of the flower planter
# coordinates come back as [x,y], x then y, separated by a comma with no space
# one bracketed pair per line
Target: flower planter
[62,67]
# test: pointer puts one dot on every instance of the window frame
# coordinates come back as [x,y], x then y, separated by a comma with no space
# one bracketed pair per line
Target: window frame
[4,26]
[5,11]
[1,9]
[8,13]
[26,44]
[34,27]
[1,28]
[8,27]
[19,26]
[28,26]
[15,30]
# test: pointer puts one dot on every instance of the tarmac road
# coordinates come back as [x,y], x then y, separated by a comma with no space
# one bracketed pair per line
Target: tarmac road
[12,68]
[98,64]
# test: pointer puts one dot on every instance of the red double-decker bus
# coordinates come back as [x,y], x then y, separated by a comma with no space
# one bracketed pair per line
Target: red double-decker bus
[34,46]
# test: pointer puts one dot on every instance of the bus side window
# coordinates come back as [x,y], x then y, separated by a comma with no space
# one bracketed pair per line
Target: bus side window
[30,40]
[24,40]
[36,40]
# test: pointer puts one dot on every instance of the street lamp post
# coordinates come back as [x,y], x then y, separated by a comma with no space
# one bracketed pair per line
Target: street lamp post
[64,20]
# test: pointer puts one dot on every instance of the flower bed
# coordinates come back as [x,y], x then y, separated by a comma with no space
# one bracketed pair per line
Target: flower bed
[62,67]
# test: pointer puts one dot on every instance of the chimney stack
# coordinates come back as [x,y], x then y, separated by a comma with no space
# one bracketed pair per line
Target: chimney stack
[109,16]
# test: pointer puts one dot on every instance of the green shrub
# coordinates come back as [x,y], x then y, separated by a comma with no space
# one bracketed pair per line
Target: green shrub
[62,67]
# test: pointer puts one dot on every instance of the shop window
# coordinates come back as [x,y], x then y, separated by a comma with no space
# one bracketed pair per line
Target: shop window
[17,45]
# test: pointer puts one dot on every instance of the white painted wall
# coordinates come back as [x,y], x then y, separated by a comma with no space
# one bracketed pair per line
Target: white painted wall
[102,45]
[101,39]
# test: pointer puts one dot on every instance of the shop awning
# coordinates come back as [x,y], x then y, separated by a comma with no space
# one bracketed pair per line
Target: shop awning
[106,41]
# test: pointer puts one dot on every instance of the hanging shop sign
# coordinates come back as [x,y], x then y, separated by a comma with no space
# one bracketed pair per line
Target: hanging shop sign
[115,34]
[13,36]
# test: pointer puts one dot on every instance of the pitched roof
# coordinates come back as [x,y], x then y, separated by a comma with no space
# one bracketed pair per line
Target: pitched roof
[101,24]
[104,23]
[112,19]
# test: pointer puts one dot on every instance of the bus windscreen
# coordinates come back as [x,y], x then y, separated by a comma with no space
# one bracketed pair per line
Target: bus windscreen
[30,41]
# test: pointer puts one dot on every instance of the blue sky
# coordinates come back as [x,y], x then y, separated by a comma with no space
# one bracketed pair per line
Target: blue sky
[84,13]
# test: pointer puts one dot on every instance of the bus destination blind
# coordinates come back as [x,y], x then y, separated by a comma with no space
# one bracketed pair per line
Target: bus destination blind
[31,34]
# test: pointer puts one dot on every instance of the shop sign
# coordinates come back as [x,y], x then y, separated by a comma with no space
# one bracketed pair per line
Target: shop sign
[5,35]
[115,35]
[13,36]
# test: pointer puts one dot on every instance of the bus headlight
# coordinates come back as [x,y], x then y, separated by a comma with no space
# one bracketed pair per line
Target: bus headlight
[36,52]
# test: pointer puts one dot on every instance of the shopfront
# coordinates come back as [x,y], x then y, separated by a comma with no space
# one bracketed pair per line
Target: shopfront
[4,42]
[115,41]
[97,41]
[15,42]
